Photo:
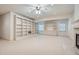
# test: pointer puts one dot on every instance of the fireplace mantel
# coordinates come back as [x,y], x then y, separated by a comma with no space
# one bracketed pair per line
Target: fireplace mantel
[76,24]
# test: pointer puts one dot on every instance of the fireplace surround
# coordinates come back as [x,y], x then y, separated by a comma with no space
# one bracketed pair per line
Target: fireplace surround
[77,41]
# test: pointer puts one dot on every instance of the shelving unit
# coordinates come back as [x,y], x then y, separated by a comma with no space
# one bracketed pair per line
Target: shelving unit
[18,27]
[23,27]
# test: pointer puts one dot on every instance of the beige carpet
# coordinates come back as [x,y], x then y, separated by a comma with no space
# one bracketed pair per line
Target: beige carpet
[38,44]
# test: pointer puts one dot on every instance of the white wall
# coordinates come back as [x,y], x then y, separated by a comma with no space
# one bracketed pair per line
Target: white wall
[76,12]
[0,26]
[12,25]
[5,26]
[71,33]
[70,28]
[52,27]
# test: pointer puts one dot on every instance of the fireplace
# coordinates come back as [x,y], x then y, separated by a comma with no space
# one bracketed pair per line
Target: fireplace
[77,41]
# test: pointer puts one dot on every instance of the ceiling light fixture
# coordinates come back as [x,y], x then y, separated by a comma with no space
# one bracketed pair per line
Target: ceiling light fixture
[38,8]
[41,8]
[38,12]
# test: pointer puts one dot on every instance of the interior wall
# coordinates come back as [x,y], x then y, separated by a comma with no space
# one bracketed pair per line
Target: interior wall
[0,26]
[5,26]
[70,28]
[76,12]
[51,27]
[11,26]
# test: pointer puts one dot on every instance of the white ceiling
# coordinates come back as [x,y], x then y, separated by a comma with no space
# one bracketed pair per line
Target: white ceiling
[25,9]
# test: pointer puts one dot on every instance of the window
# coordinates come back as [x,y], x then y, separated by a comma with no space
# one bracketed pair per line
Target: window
[62,27]
[40,27]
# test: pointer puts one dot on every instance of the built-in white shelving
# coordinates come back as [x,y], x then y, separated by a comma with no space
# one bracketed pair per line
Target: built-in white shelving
[23,26]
